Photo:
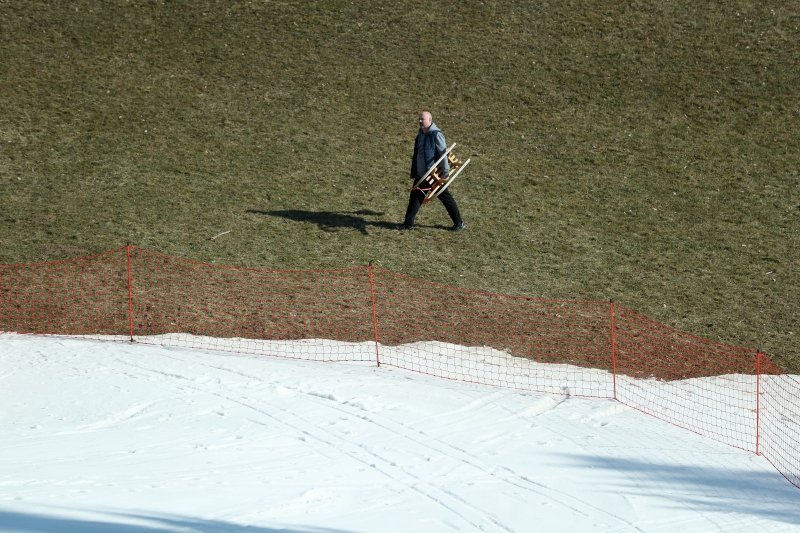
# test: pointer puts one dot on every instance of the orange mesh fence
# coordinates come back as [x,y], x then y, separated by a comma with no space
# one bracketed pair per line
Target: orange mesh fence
[779,424]
[184,303]
[583,348]
[86,296]
[715,382]
[524,343]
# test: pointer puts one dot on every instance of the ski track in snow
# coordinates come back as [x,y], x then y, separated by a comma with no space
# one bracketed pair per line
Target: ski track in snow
[423,440]
[470,513]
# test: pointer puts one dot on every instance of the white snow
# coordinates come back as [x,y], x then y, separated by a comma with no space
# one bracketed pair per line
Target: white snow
[129,438]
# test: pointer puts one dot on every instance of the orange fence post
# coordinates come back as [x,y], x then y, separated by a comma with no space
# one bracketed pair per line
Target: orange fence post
[374,314]
[758,401]
[613,346]
[130,293]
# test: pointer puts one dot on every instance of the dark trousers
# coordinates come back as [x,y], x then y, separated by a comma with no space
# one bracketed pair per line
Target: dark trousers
[415,201]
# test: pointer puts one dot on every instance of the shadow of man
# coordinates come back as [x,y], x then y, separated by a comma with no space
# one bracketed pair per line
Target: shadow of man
[331,220]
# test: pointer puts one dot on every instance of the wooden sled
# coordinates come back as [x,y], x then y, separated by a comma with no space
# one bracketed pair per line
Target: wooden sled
[432,184]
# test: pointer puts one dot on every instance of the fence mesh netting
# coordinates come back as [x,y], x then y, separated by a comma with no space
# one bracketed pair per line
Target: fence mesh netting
[366,314]
[183,303]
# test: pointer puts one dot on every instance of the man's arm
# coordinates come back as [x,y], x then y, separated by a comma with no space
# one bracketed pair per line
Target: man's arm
[441,148]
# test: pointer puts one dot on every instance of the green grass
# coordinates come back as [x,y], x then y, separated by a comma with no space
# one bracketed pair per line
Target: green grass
[645,151]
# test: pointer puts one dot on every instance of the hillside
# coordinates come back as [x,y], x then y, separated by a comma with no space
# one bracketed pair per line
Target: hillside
[644,152]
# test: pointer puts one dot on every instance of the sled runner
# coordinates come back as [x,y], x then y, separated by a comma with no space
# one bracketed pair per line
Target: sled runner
[432,184]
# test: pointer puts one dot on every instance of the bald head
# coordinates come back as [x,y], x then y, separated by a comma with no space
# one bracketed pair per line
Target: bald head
[425,120]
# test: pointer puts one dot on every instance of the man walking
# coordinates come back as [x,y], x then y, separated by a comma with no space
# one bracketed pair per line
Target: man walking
[429,146]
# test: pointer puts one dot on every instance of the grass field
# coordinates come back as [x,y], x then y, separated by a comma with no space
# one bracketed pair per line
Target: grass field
[642,151]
